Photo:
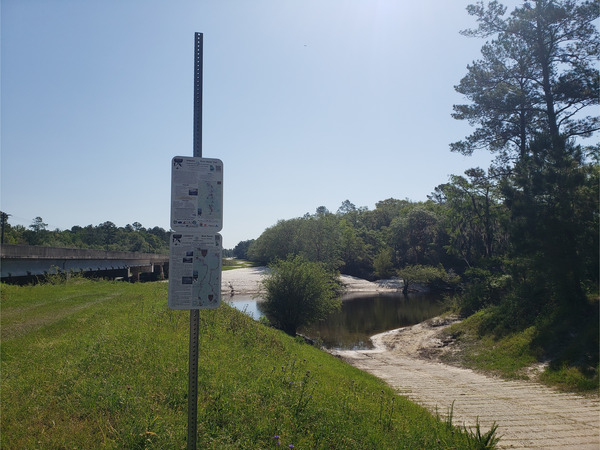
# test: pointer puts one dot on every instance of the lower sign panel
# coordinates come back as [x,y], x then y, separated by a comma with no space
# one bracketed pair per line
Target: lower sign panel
[195,271]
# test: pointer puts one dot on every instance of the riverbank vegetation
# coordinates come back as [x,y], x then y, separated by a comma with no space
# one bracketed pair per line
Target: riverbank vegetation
[521,235]
[98,364]
[523,353]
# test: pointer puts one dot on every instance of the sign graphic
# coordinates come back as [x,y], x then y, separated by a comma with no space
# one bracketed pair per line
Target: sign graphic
[196,194]
[195,271]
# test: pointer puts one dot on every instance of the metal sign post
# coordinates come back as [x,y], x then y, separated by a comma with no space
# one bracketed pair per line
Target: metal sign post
[198,95]
[195,313]
[196,247]
[193,380]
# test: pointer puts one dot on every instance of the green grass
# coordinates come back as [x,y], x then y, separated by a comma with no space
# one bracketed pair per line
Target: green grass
[506,356]
[510,355]
[234,263]
[95,364]
[570,378]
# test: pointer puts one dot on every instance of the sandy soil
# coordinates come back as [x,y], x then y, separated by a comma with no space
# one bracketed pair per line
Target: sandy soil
[247,282]
[529,415]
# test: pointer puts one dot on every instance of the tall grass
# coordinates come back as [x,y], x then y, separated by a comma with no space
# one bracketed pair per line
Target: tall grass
[571,366]
[96,364]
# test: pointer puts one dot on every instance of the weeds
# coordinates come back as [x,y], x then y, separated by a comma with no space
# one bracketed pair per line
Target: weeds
[484,441]
[478,440]
[57,276]
[385,417]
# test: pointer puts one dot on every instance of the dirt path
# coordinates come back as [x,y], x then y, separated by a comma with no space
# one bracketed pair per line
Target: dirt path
[529,415]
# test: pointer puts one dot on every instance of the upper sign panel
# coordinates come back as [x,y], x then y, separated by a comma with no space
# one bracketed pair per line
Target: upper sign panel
[196,194]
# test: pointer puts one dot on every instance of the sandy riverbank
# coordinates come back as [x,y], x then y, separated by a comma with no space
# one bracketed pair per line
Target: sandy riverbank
[246,281]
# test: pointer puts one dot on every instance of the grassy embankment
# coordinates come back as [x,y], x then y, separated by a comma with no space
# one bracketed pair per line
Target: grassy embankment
[568,353]
[96,364]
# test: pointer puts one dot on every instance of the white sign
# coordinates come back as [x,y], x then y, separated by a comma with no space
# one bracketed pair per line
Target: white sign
[196,194]
[195,271]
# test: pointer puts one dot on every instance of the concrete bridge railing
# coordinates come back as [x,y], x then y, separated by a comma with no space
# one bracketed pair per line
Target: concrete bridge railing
[30,260]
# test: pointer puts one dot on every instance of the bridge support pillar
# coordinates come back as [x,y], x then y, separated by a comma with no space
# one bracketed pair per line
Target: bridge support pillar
[159,271]
[135,274]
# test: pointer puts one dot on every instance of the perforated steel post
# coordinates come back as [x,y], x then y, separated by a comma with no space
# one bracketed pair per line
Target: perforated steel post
[193,380]
[198,95]
[194,313]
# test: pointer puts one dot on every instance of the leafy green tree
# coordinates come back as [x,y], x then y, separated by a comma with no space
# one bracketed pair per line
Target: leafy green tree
[241,249]
[3,224]
[356,216]
[135,242]
[276,242]
[474,216]
[299,292]
[15,234]
[353,251]
[385,211]
[108,231]
[318,238]
[435,277]
[383,265]
[414,237]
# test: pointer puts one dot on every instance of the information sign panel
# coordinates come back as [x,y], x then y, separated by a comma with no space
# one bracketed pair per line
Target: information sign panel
[196,194]
[195,270]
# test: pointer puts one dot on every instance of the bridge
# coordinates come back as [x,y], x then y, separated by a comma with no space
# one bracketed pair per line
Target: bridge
[18,262]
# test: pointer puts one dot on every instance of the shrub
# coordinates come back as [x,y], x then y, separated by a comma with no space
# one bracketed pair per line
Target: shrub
[482,288]
[435,277]
[299,292]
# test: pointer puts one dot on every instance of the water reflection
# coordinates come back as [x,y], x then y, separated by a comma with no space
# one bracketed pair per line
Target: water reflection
[360,317]
[364,316]
[246,304]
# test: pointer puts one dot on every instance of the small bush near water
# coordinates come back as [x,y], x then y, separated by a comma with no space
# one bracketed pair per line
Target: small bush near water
[299,292]
[95,364]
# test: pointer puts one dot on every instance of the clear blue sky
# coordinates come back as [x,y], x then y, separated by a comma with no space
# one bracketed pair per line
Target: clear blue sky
[307,102]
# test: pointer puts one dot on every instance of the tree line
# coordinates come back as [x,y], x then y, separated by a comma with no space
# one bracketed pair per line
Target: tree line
[105,236]
[522,234]
[376,243]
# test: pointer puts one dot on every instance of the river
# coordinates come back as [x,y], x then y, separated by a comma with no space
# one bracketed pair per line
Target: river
[360,317]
